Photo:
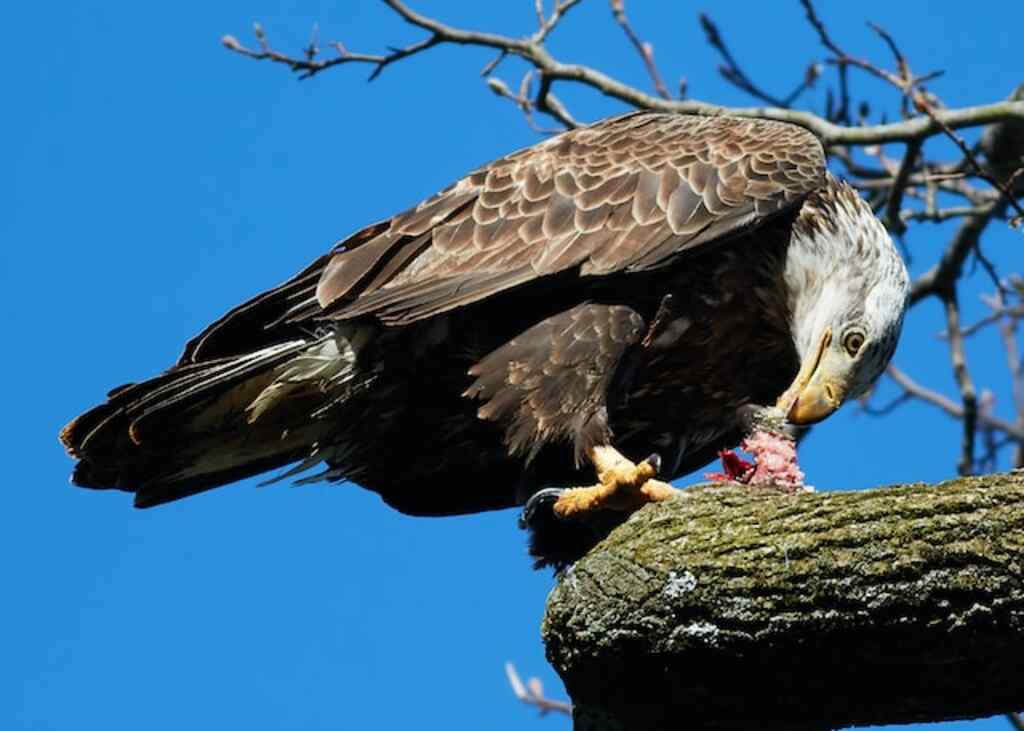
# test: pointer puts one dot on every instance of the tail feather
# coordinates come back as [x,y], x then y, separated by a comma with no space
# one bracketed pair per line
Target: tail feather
[253,392]
[193,428]
[159,410]
[174,390]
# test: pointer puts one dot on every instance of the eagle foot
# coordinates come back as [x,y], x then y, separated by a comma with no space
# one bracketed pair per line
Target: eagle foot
[623,486]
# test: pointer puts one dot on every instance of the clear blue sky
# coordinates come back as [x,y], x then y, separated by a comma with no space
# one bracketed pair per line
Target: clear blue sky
[157,180]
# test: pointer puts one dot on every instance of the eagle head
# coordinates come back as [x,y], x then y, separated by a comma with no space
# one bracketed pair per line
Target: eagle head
[848,291]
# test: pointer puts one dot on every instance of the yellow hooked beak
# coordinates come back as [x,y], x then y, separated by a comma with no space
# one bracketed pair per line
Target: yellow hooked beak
[819,388]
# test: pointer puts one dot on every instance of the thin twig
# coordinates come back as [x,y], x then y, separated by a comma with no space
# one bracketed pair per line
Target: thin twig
[1005,187]
[893,220]
[489,68]
[735,75]
[886,409]
[962,375]
[840,57]
[989,439]
[551,105]
[1010,313]
[520,99]
[843,113]
[544,101]
[546,25]
[939,215]
[532,693]
[646,50]
[1008,331]
[947,271]
[308,65]
[949,406]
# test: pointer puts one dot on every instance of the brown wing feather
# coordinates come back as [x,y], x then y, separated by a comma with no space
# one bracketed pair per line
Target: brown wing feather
[550,383]
[627,194]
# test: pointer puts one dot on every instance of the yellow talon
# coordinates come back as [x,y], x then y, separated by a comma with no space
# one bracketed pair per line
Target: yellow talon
[623,485]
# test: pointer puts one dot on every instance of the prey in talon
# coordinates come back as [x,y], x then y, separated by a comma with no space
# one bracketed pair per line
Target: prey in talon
[529,335]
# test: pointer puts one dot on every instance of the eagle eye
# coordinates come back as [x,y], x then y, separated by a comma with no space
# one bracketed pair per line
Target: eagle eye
[853,342]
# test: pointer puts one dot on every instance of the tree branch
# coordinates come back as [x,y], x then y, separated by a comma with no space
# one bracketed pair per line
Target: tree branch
[532,693]
[645,50]
[944,275]
[533,51]
[734,74]
[893,220]
[1005,187]
[733,608]
[968,394]
[1008,331]
[912,389]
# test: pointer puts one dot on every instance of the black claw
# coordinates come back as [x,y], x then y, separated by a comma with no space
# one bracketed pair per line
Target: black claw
[556,541]
[541,500]
[654,461]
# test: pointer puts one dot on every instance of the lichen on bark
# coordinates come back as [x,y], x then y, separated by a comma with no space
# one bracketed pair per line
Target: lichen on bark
[732,607]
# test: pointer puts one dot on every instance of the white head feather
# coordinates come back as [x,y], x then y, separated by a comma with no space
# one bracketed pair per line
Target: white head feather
[844,273]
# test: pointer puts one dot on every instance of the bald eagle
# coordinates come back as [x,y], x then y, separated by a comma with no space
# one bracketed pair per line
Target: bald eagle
[616,290]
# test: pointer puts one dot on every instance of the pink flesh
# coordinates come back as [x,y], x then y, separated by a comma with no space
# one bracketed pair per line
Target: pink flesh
[775,463]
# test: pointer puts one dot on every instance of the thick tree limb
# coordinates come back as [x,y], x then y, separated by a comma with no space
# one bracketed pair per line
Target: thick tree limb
[731,608]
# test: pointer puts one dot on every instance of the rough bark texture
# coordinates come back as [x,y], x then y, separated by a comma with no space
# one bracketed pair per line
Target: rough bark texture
[733,608]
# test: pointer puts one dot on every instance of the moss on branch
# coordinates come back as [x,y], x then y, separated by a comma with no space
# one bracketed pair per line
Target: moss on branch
[733,608]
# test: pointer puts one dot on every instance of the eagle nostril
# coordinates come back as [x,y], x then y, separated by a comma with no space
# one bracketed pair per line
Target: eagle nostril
[830,394]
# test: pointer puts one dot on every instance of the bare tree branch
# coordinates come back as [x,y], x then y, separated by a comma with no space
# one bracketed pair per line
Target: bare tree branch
[947,271]
[546,25]
[532,693]
[1004,187]
[912,90]
[646,50]
[903,79]
[1008,322]
[1011,313]
[968,395]
[735,75]
[893,220]
[526,104]
[939,215]
[551,70]
[953,409]
[308,65]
